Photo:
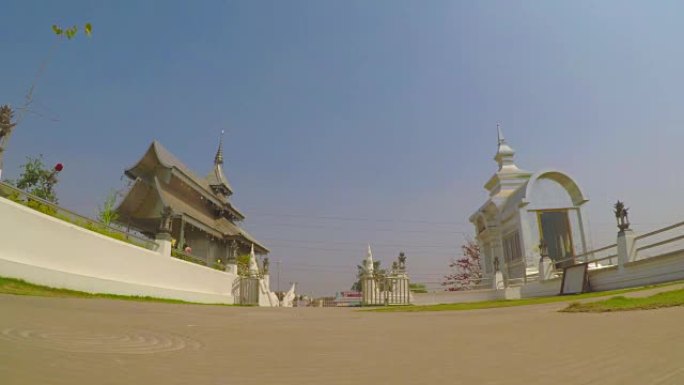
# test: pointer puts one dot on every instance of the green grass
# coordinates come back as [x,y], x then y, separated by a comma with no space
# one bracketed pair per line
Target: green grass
[20,287]
[511,303]
[621,303]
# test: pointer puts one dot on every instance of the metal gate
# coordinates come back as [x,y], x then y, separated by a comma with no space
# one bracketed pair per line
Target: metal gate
[385,291]
[248,291]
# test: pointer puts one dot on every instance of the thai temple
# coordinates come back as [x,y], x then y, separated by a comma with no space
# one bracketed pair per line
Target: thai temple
[524,208]
[197,211]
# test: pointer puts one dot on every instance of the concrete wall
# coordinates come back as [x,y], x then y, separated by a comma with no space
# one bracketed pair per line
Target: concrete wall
[48,251]
[663,268]
[442,297]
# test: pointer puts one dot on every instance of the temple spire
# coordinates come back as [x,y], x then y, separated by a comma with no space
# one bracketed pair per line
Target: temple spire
[504,154]
[499,134]
[218,159]
[253,267]
[217,179]
[369,261]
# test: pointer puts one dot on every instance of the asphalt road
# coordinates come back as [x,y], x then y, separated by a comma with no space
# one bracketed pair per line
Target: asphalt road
[97,341]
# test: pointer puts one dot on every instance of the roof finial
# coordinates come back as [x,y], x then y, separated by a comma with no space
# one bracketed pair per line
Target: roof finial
[499,133]
[218,159]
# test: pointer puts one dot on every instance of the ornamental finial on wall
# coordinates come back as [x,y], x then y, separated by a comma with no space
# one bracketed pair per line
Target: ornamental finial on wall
[621,216]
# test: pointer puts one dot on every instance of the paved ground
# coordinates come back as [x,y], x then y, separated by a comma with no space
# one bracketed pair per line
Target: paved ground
[86,341]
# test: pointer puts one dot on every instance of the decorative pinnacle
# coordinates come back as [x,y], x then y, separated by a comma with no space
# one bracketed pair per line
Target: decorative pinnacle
[499,133]
[218,159]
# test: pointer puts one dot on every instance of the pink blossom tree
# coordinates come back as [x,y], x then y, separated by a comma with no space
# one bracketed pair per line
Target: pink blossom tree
[466,271]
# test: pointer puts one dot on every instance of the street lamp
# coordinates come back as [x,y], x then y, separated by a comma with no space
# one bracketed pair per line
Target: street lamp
[52,178]
[621,216]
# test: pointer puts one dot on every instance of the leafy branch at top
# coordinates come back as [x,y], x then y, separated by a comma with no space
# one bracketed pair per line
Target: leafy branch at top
[71,31]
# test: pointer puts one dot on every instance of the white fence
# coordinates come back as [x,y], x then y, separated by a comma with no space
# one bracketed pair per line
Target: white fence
[635,260]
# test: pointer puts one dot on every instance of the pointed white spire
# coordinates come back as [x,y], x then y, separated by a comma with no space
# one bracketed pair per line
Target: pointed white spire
[500,134]
[504,154]
[369,261]
[253,267]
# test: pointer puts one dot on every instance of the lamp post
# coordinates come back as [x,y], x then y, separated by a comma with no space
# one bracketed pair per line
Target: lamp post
[52,178]
[621,216]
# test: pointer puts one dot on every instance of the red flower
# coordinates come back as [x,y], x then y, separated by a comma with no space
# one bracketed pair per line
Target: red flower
[59,167]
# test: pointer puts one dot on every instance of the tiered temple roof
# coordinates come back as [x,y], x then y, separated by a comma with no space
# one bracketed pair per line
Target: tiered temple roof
[162,181]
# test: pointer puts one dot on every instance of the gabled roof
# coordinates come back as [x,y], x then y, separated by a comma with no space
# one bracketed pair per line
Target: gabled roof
[157,155]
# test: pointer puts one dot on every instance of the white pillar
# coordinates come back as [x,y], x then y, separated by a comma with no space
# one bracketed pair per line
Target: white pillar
[267,282]
[231,268]
[164,242]
[498,281]
[626,247]
[545,268]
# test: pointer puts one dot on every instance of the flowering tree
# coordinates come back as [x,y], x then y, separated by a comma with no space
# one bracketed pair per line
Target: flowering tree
[37,179]
[466,270]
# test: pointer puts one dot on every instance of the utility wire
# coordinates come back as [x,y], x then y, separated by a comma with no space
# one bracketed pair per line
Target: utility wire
[357,219]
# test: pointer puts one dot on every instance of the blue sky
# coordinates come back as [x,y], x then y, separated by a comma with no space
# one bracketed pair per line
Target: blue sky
[351,122]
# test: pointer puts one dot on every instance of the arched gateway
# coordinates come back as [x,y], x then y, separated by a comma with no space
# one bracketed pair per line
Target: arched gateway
[522,209]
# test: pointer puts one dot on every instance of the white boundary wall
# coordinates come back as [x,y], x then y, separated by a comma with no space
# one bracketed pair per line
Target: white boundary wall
[48,251]
[443,297]
[663,268]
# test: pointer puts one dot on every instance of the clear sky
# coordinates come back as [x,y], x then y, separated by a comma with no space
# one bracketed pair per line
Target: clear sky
[351,122]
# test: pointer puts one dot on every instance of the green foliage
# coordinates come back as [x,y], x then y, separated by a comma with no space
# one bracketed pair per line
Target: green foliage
[106,213]
[515,302]
[104,231]
[218,265]
[360,271]
[21,287]
[42,207]
[243,264]
[622,303]
[36,179]
[71,32]
[417,288]
[189,258]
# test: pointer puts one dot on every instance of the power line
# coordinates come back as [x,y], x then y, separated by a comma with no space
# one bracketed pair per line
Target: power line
[355,243]
[291,225]
[358,219]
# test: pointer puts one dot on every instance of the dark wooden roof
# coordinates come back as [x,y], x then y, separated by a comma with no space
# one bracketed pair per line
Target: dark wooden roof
[150,193]
[156,155]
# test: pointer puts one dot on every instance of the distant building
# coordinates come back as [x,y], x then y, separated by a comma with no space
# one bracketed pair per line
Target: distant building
[348,298]
[522,209]
[201,214]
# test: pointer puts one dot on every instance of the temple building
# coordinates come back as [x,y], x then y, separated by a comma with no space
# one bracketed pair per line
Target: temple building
[165,193]
[523,209]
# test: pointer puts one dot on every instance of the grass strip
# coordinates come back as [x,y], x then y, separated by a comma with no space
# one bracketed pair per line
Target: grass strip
[621,303]
[512,302]
[20,287]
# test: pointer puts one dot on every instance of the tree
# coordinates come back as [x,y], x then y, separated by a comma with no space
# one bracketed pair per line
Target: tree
[360,271]
[6,113]
[72,31]
[36,179]
[6,127]
[243,265]
[417,288]
[466,270]
[106,213]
